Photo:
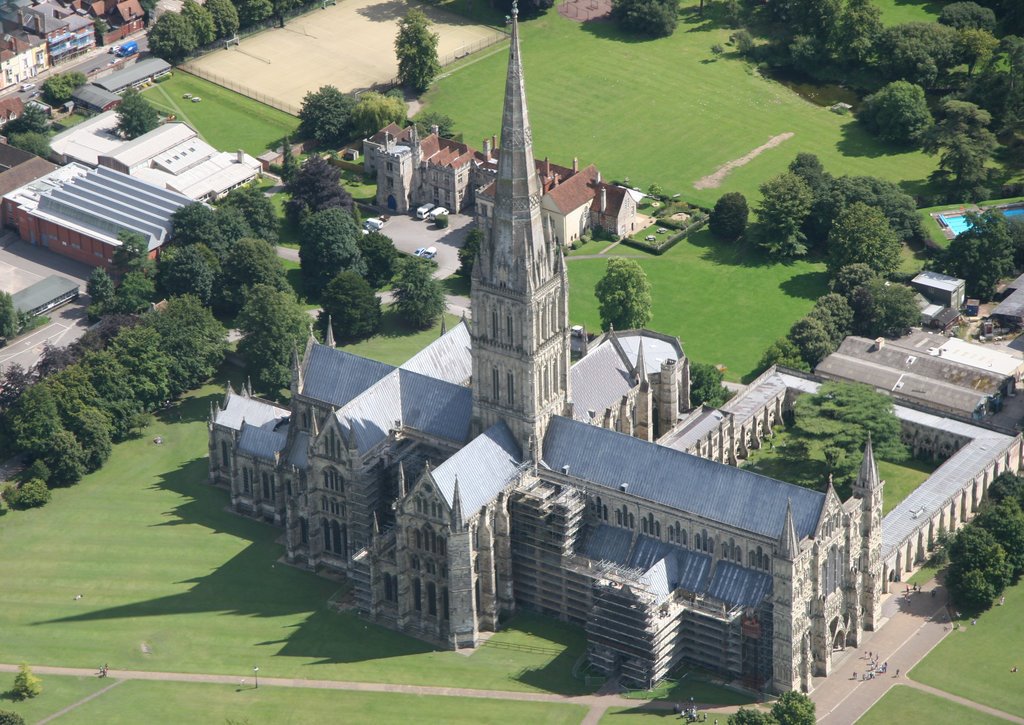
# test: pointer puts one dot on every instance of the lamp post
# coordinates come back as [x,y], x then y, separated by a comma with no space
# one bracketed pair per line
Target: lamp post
[256,674]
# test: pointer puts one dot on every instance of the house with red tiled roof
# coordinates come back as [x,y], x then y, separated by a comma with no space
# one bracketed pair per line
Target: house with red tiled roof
[10,108]
[123,17]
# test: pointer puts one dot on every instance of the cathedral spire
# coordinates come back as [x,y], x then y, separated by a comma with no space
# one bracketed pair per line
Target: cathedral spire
[456,507]
[641,366]
[329,337]
[868,476]
[789,544]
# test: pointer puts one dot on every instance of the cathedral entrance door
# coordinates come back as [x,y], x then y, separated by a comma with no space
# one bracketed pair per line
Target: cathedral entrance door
[392,204]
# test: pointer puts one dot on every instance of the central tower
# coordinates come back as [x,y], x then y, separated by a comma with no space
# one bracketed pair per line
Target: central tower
[520,294]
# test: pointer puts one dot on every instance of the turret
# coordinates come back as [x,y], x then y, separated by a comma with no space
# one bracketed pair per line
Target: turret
[789,544]
[456,518]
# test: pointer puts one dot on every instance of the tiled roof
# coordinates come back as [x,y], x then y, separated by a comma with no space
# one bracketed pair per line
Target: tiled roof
[11,107]
[483,468]
[574,192]
[614,196]
[714,491]
[335,377]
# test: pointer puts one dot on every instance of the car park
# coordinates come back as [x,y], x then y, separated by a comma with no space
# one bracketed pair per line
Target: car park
[429,253]
[436,212]
[373,224]
[421,213]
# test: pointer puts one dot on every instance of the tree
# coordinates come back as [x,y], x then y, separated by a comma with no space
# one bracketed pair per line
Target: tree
[968,15]
[57,89]
[982,254]
[196,224]
[921,53]
[324,116]
[256,209]
[975,46]
[289,165]
[375,111]
[192,339]
[812,339]
[1006,486]
[416,49]
[380,256]
[34,421]
[66,460]
[861,234]
[31,494]
[1005,521]
[26,684]
[794,708]
[419,298]
[978,570]
[15,380]
[188,270]
[656,18]
[750,716]
[835,315]
[8,316]
[132,255]
[249,263]
[729,217]
[135,116]
[31,120]
[146,367]
[251,12]
[200,20]
[134,294]
[92,427]
[34,143]
[883,309]
[100,289]
[706,385]
[9,717]
[329,246]
[425,123]
[839,418]
[964,144]
[785,203]
[316,187]
[351,306]
[273,325]
[897,113]
[225,17]
[172,38]
[899,208]
[624,295]
[469,251]
[853,42]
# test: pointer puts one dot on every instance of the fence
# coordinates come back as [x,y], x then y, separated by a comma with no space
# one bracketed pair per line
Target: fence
[239,88]
[468,50]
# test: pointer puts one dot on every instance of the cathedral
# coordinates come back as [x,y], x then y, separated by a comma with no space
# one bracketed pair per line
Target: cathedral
[490,473]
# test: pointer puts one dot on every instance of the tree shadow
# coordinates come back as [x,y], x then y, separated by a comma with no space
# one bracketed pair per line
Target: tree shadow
[606,29]
[732,254]
[807,286]
[384,12]
[857,141]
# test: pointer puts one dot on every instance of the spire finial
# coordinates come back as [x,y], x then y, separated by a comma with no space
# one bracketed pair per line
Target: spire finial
[789,545]
[641,365]
[456,522]
[329,337]
[515,8]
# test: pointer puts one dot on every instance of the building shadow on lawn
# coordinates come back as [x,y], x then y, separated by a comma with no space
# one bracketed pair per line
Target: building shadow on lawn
[806,286]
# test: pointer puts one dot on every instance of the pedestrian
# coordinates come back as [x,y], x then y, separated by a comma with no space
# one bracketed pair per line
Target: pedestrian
[933,593]
[897,673]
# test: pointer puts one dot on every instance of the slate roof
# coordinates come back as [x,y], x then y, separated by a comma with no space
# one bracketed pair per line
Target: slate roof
[94,97]
[135,73]
[1012,306]
[738,585]
[694,429]
[483,468]
[449,357]
[335,377]
[261,442]
[714,491]
[298,454]
[238,408]
[598,380]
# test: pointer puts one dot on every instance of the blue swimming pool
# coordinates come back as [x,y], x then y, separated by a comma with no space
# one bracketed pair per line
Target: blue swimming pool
[960,224]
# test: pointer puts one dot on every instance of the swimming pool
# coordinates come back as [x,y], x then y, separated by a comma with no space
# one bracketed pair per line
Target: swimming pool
[959,223]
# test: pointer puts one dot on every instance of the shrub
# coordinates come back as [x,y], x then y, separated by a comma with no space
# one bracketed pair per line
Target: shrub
[743,41]
[26,685]
[441,221]
[38,470]
[31,494]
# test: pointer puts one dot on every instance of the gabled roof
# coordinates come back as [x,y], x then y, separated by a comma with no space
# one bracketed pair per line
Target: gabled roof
[575,191]
[335,377]
[483,468]
[714,491]
[11,107]
[128,10]
[449,357]
[614,196]
[238,408]
[261,442]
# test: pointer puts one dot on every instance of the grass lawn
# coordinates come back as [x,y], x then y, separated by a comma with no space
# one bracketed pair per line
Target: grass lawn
[136,701]
[925,574]
[725,302]
[904,704]
[643,714]
[901,479]
[58,693]
[225,119]
[975,661]
[172,581]
[396,343]
[912,258]
[693,687]
[909,11]
[688,112]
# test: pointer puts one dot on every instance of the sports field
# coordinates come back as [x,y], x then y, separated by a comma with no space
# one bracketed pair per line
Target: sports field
[350,45]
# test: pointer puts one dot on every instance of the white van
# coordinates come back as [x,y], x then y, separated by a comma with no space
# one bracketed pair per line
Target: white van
[373,224]
[27,86]
[436,212]
[422,212]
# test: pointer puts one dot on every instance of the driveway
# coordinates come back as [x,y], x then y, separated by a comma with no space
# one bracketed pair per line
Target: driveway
[409,234]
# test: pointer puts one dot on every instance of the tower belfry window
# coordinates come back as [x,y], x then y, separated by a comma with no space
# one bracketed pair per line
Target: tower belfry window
[511,385]
[495,384]
[508,327]
[494,324]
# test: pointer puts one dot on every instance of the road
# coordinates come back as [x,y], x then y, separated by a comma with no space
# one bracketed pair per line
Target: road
[67,324]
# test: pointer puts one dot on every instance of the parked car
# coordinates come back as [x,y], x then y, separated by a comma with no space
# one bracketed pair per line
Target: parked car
[422,212]
[436,212]
[429,253]
[420,252]
[27,86]
[373,224]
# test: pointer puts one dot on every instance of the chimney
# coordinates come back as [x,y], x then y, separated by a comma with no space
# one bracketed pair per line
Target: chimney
[547,167]
[494,142]
[240,156]
[575,165]
[604,199]
[598,176]
[879,344]
[434,129]
[487,148]
[557,180]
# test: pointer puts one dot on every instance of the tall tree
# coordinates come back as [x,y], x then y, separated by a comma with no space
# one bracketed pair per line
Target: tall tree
[200,20]
[1005,521]
[419,298]
[785,203]
[835,315]
[34,421]
[975,46]
[251,12]
[380,256]
[146,366]
[812,339]
[100,289]
[624,295]
[330,246]
[354,310]
[324,116]
[249,263]
[172,38]
[316,187]
[225,17]
[188,270]
[8,316]
[978,570]
[191,338]
[655,18]
[968,15]
[57,89]
[374,111]
[794,708]
[257,210]
[416,49]
[706,385]
[195,224]
[965,146]
[853,42]
[66,459]
[34,143]
[289,164]
[982,254]
[783,352]
[273,325]
[135,116]
[31,120]
[861,233]
[469,250]
[884,309]
[897,113]
[134,294]
[425,123]
[921,53]
[729,217]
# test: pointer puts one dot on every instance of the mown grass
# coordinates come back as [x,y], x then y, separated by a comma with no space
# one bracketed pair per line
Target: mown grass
[172,581]
[895,12]
[724,301]
[227,120]
[668,110]
[58,693]
[904,704]
[397,342]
